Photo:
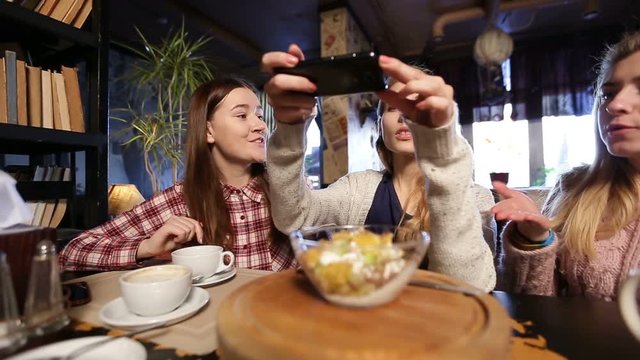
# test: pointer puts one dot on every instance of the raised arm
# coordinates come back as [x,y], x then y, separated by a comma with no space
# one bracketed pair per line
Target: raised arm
[458,247]
[530,247]
[293,204]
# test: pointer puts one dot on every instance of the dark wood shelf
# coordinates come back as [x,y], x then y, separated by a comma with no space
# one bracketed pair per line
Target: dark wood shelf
[45,190]
[14,17]
[48,43]
[17,139]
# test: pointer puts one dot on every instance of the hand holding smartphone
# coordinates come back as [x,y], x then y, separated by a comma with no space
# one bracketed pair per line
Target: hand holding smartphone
[338,75]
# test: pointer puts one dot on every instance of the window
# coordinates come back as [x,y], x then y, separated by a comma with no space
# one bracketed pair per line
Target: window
[501,146]
[569,141]
[504,146]
[312,156]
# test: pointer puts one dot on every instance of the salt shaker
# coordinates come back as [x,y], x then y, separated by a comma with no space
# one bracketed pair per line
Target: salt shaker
[12,335]
[44,307]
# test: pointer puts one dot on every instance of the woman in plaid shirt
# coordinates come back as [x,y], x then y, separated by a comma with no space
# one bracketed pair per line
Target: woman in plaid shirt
[221,201]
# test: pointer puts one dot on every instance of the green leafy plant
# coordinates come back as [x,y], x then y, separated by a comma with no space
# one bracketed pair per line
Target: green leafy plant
[168,72]
[541,179]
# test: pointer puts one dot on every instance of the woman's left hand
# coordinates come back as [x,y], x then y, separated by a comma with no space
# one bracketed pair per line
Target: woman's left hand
[522,210]
[423,98]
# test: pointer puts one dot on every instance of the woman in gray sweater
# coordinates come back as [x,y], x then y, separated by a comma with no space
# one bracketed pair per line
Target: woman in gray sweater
[423,155]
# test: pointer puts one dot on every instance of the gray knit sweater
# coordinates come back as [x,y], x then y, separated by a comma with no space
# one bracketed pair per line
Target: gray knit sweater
[457,248]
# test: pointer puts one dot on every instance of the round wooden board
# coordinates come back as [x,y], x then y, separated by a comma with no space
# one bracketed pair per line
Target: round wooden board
[281,316]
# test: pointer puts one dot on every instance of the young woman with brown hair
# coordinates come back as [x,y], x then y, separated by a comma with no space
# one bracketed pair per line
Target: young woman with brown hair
[221,201]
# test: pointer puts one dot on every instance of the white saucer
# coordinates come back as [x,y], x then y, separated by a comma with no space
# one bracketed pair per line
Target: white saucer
[115,312]
[122,348]
[219,277]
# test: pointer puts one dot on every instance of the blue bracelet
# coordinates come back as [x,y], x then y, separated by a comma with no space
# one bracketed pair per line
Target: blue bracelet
[536,244]
[549,239]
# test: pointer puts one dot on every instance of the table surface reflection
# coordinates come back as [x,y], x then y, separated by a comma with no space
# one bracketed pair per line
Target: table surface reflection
[574,327]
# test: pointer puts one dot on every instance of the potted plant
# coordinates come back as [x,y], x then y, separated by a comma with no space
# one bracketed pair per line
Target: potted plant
[167,73]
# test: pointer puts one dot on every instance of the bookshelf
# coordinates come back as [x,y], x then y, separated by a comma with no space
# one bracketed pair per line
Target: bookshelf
[50,44]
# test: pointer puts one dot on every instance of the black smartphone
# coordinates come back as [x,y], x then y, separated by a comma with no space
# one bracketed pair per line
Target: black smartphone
[344,74]
[76,294]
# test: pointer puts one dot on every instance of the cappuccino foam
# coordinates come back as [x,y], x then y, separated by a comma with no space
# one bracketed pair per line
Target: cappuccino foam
[155,276]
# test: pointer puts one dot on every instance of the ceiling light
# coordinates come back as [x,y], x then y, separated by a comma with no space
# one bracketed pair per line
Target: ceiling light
[492,47]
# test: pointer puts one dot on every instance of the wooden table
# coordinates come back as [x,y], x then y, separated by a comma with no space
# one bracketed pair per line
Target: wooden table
[194,338]
[575,328]
[282,316]
[196,335]
[543,327]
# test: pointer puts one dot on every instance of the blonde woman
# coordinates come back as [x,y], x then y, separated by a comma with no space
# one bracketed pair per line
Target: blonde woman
[418,141]
[587,237]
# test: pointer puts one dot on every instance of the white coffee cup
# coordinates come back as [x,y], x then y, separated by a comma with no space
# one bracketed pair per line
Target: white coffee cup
[204,260]
[628,302]
[155,290]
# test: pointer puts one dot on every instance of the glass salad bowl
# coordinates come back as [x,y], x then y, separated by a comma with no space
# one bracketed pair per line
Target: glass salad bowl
[359,265]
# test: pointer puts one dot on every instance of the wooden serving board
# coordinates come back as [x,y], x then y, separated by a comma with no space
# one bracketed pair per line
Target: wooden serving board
[281,316]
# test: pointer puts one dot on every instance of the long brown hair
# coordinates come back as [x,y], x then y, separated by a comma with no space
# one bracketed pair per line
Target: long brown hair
[593,202]
[203,190]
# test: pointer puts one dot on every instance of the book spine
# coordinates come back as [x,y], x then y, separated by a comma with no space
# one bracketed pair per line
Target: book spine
[83,14]
[57,115]
[3,92]
[21,71]
[34,101]
[47,100]
[12,87]
[30,4]
[63,104]
[74,99]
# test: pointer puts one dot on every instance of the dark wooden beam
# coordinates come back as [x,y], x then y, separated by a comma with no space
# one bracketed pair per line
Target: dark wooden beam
[197,17]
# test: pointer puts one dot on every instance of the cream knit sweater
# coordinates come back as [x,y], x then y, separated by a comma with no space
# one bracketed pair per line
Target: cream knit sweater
[457,248]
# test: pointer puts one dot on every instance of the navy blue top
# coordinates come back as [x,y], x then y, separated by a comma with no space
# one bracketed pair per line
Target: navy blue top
[386,208]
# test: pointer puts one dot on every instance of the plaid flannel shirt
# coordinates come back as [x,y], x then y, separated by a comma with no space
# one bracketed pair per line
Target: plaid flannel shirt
[113,245]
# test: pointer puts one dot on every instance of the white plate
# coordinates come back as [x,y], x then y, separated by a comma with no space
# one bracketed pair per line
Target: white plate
[219,277]
[115,312]
[122,348]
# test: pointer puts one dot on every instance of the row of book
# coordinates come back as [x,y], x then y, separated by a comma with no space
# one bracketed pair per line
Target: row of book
[72,12]
[32,96]
[45,213]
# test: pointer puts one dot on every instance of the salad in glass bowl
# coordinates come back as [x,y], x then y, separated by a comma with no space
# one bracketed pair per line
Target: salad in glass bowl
[359,265]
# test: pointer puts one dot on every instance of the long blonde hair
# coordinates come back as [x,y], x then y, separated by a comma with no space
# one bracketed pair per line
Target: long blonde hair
[420,219]
[593,202]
